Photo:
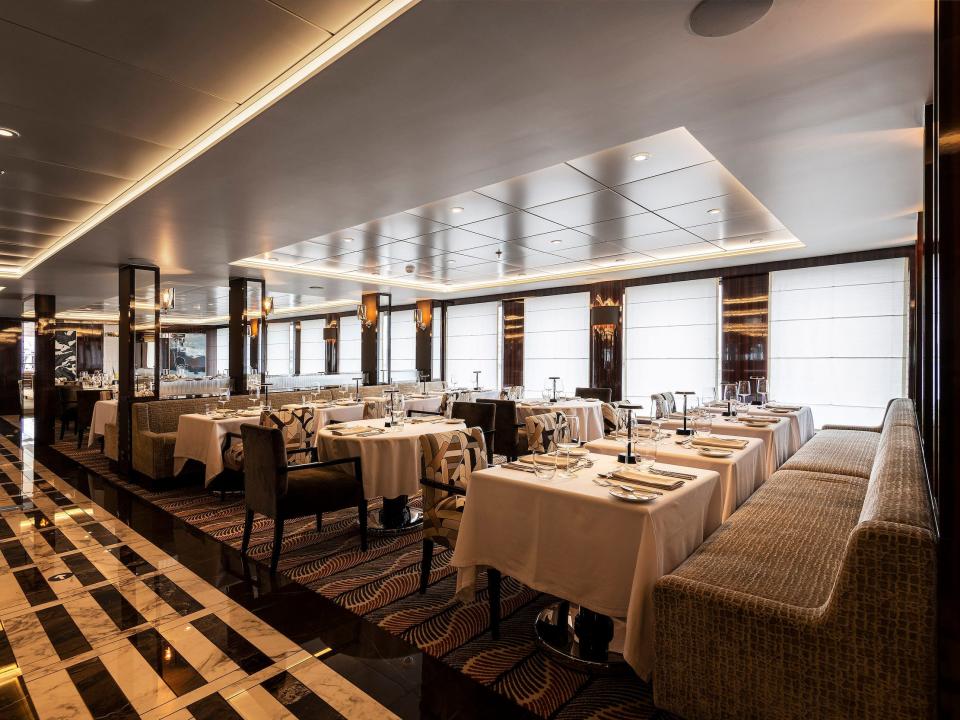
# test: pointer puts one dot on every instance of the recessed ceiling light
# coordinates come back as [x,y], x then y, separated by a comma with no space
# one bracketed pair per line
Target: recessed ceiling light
[450,262]
[316,287]
[556,242]
[620,260]
[756,240]
[713,211]
[3,172]
[641,156]
[456,209]
[348,240]
[273,259]
[8,132]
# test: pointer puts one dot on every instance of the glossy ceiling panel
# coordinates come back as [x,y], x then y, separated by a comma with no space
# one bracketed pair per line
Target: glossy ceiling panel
[331,15]
[682,251]
[666,152]
[544,186]
[592,251]
[712,209]
[34,224]
[22,238]
[707,180]
[50,206]
[512,253]
[742,225]
[587,209]
[58,180]
[453,240]
[401,226]
[553,241]
[243,40]
[513,226]
[462,209]
[643,224]
[670,238]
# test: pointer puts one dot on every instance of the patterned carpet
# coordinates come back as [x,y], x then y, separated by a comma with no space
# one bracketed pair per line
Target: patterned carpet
[382,584]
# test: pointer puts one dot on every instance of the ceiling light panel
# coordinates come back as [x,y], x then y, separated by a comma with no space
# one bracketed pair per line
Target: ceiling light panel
[514,226]
[473,207]
[543,186]
[706,180]
[587,209]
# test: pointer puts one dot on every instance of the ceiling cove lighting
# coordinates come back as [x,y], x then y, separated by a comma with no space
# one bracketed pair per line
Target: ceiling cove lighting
[6,132]
[641,263]
[337,45]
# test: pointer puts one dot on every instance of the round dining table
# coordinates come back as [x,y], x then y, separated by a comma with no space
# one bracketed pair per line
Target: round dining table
[389,461]
[589,413]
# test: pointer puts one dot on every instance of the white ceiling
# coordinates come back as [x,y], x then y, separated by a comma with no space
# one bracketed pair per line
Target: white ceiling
[816,110]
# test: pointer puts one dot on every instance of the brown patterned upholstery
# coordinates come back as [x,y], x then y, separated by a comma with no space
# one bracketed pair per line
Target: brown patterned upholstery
[447,460]
[842,452]
[611,419]
[111,441]
[815,599]
[539,432]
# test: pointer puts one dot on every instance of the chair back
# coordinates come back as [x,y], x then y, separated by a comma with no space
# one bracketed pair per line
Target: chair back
[660,402]
[611,419]
[540,432]
[448,459]
[86,399]
[265,468]
[475,414]
[298,425]
[601,394]
[66,398]
[504,425]
[671,402]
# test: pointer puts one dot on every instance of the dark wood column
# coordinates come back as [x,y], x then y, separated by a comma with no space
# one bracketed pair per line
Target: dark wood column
[248,334]
[11,365]
[331,338]
[513,341]
[744,327]
[424,338]
[297,337]
[942,325]
[44,388]
[370,340]
[139,324]
[606,337]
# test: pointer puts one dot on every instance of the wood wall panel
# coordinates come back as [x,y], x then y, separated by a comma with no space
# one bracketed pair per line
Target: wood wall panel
[606,343]
[513,341]
[44,390]
[11,349]
[744,325]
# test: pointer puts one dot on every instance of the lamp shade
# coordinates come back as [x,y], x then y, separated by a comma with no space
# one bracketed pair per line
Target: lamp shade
[330,333]
[605,315]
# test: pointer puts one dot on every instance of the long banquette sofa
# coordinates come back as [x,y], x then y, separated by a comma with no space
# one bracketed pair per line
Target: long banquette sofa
[816,599]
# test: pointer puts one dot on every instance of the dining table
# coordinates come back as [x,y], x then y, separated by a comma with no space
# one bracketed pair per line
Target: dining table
[741,473]
[800,416]
[422,403]
[589,412]
[325,413]
[390,460]
[200,437]
[775,432]
[104,413]
[572,539]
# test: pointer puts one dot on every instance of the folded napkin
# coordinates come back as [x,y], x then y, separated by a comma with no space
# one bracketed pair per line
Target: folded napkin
[677,416]
[638,432]
[791,408]
[760,419]
[557,461]
[724,443]
[344,401]
[636,477]
[355,430]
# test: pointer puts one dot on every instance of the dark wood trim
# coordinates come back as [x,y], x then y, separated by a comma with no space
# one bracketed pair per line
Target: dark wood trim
[424,339]
[606,338]
[44,386]
[331,355]
[11,365]
[745,302]
[370,341]
[297,334]
[513,339]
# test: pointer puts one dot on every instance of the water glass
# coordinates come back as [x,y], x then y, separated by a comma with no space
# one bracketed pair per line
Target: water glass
[646,449]
[567,438]
[544,466]
[703,425]
[208,409]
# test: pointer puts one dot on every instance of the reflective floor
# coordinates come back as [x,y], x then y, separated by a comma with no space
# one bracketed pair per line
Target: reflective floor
[112,608]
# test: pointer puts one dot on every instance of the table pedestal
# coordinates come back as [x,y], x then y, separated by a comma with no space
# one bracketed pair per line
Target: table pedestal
[583,644]
[394,517]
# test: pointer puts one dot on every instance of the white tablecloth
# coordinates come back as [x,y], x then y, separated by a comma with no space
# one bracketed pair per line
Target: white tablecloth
[590,414]
[801,422]
[390,462]
[571,539]
[776,438]
[427,404]
[740,474]
[326,414]
[201,438]
[104,413]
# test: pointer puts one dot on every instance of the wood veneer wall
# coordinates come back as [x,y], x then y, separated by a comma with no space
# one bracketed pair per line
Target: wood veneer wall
[745,302]
[513,341]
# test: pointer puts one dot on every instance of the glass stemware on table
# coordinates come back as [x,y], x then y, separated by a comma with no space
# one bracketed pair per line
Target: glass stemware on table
[743,392]
[702,425]
[567,437]
[224,398]
[762,391]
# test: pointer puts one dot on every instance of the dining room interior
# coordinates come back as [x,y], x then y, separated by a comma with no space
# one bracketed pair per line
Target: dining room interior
[444,359]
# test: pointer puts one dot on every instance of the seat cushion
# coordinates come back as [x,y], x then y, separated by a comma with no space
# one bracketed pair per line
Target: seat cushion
[319,490]
[837,452]
[784,544]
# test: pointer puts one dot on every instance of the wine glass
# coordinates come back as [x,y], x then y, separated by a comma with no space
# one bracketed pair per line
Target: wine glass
[762,391]
[729,391]
[567,438]
[646,449]
[656,419]
[224,398]
[547,394]
[743,391]
[702,425]
[544,466]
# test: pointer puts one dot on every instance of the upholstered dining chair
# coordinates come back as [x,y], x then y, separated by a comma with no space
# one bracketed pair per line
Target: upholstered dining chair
[611,418]
[509,436]
[448,460]
[671,402]
[601,394]
[479,415]
[540,432]
[660,403]
[67,406]
[278,490]
[86,399]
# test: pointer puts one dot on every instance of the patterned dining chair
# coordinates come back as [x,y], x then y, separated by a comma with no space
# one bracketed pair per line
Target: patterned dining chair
[595,393]
[540,432]
[671,402]
[611,418]
[660,403]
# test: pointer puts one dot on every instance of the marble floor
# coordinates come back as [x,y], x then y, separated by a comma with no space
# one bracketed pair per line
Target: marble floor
[110,608]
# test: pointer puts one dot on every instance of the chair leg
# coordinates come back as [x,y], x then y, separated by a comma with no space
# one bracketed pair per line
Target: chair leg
[63,427]
[425,564]
[319,522]
[247,529]
[362,510]
[80,437]
[277,541]
[493,588]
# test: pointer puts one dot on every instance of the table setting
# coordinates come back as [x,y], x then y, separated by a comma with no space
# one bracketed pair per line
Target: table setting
[200,437]
[588,412]
[598,537]
[104,413]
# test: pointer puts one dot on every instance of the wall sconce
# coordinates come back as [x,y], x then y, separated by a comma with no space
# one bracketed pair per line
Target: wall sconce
[45,325]
[330,333]
[267,305]
[605,319]
[254,326]
[418,319]
[168,299]
[362,316]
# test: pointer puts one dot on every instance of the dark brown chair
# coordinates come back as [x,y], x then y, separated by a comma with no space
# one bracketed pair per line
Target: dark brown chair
[280,491]
[479,415]
[67,406]
[509,436]
[86,399]
[601,394]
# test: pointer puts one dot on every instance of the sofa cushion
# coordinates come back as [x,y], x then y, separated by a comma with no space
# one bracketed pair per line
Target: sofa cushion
[838,452]
[893,493]
[784,544]
[899,412]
